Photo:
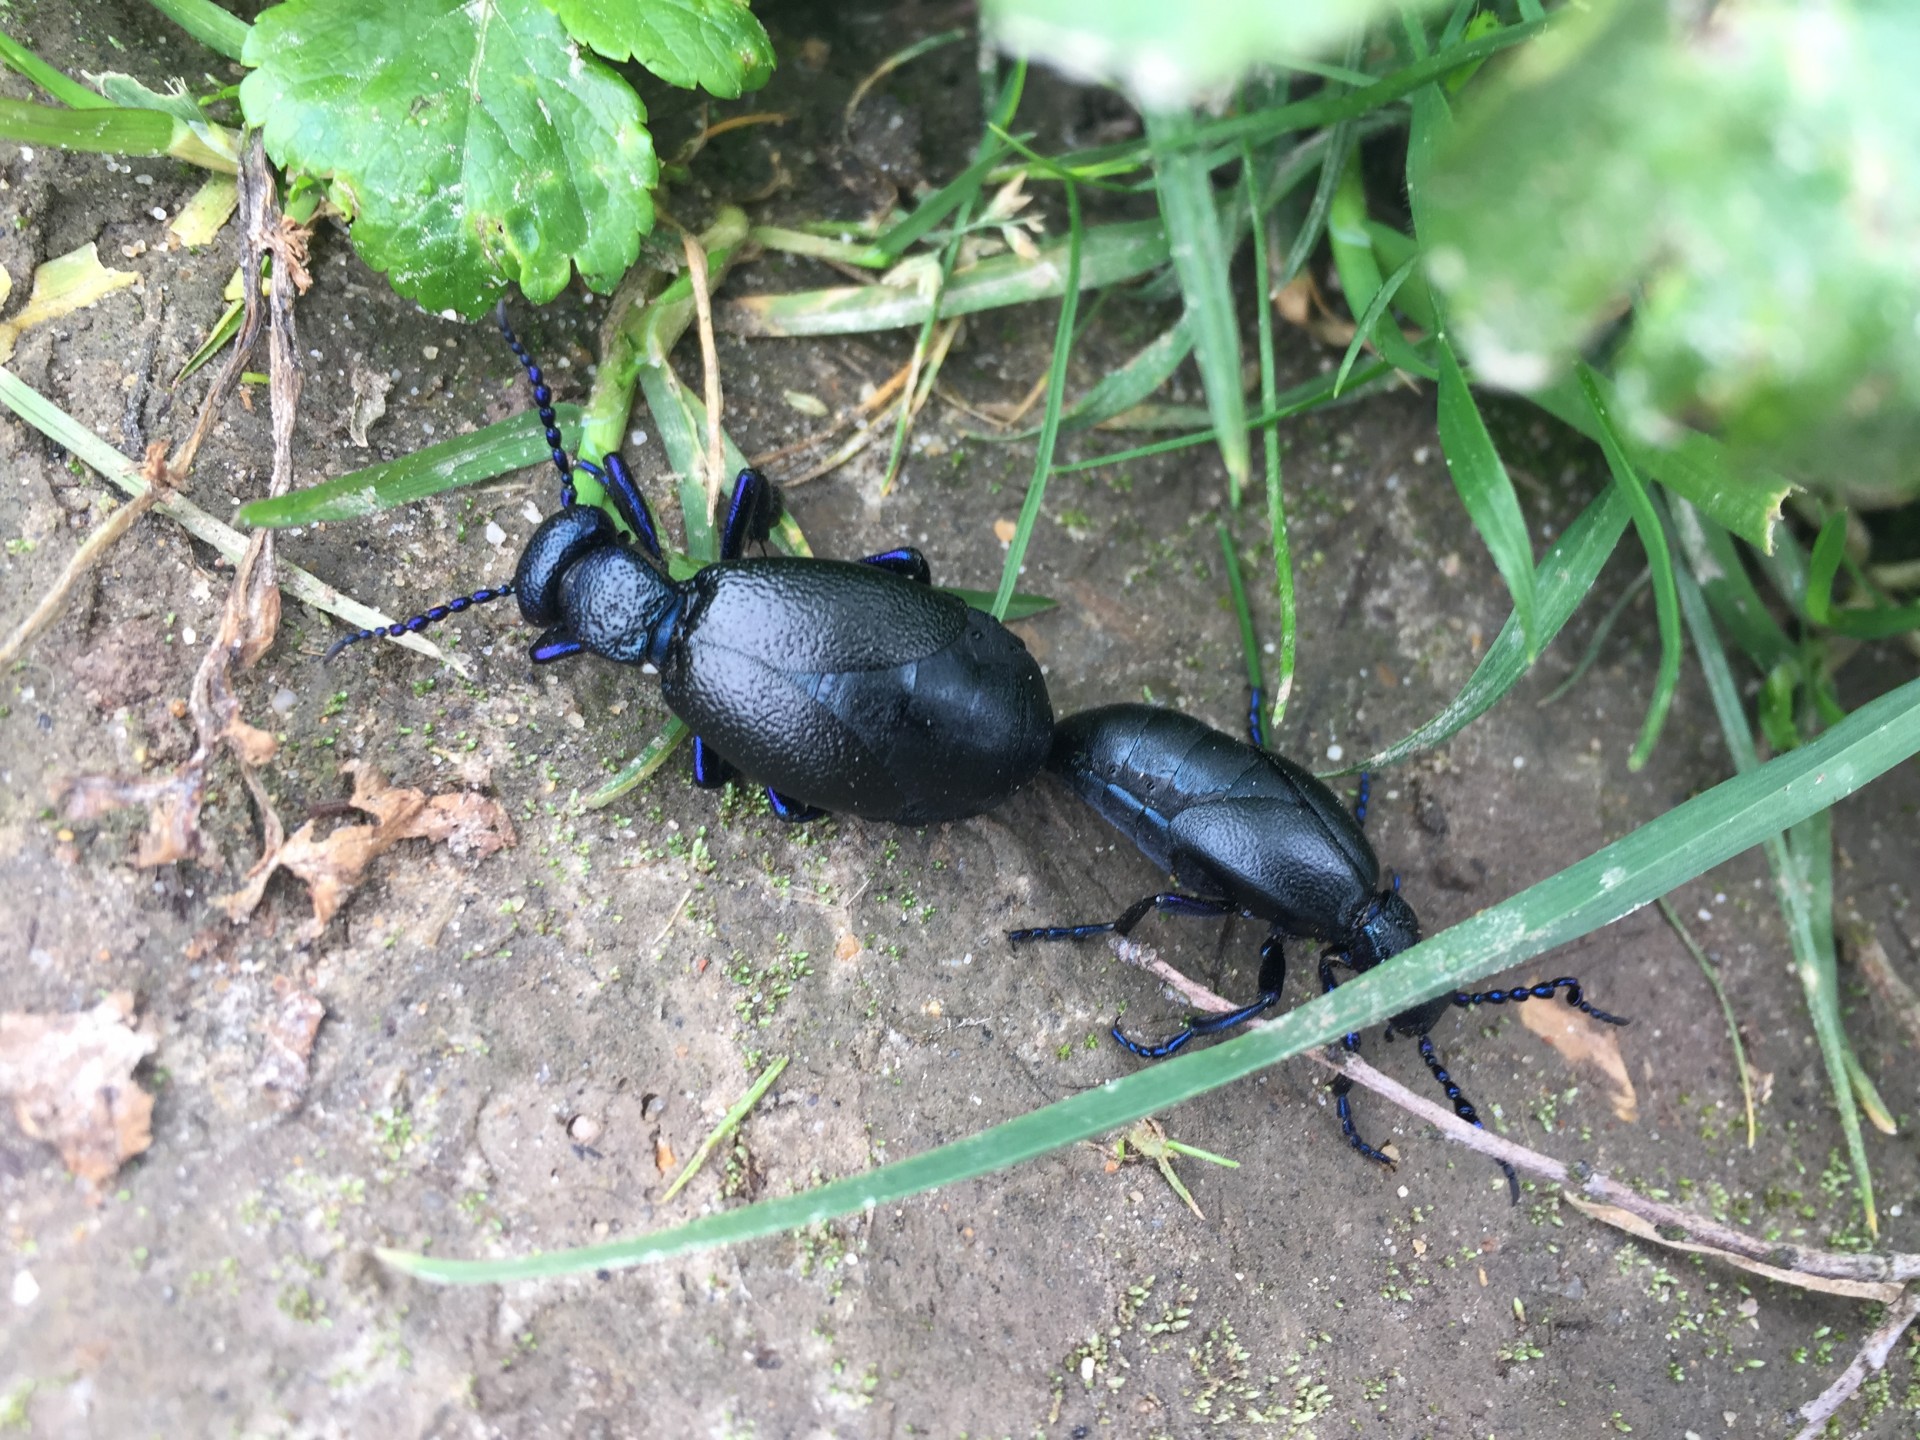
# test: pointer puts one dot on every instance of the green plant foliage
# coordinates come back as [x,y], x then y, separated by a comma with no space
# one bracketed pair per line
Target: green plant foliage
[1746,182]
[1167,55]
[715,45]
[472,145]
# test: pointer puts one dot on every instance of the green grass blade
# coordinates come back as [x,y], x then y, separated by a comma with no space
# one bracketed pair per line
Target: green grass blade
[1313,395]
[965,186]
[1565,575]
[1803,891]
[1024,604]
[1686,842]
[1351,241]
[1199,257]
[681,419]
[1109,255]
[1877,623]
[1270,455]
[1695,467]
[1340,143]
[651,757]
[1653,535]
[1121,389]
[68,92]
[104,130]
[1237,589]
[206,22]
[1716,562]
[1597,641]
[504,446]
[1486,490]
[1395,249]
[1050,425]
[1376,308]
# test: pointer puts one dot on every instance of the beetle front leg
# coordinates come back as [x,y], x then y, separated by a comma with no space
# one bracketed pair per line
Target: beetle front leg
[1342,1087]
[905,561]
[751,513]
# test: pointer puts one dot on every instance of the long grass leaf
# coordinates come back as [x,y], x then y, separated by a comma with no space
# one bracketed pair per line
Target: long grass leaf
[1653,537]
[1722,575]
[1270,455]
[1376,308]
[1565,575]
[67,91]
[88,448]
[1050,425]
[1486,490]
[1684,843]
[497,449]
[1874,623]
[1359,269]
[219,31]
[1695,466]
[1198,250]
[1109,254]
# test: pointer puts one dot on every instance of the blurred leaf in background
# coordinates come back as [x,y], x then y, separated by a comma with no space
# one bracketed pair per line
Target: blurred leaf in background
[1744,181]
[1164,55]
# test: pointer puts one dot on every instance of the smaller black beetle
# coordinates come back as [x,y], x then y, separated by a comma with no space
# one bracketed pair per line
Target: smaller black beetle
[850,687]
[1248,832]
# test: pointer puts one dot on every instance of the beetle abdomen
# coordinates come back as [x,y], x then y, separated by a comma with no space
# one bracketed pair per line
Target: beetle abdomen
[935,735]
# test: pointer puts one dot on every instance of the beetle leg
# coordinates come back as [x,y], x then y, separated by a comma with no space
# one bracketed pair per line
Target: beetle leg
[417,623]
[710,772]
[750,513]
[1128,918]
[618,482]
[1256,727]
[556,644]
[1360,801]
[792,811]
[1463,1107]
[905,561]
[1342,1086]
[1546,990]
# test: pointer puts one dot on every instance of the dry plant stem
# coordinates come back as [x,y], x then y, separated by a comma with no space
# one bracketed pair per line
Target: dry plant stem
[943,340]
[104,535]
[1869,957]
[709,361]
[1873,1356]
[1674,1223]
[1146,958]
[876,401]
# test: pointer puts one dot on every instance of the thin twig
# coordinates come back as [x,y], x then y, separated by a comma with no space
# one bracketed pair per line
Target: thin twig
[1869,957]
[709,361]
[104,535]
[1146,958]
[1726,1009]
[726,1127]
[1872,1356]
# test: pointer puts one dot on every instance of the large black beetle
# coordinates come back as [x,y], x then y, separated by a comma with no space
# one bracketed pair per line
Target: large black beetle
[1245,831]
[849,687]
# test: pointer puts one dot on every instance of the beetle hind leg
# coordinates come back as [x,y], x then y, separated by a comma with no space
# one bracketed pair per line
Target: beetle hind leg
[1123,924]
[794,812]
[710,772]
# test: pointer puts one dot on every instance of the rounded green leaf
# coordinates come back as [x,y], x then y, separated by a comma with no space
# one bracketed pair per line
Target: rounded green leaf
[714,44]
[469,141]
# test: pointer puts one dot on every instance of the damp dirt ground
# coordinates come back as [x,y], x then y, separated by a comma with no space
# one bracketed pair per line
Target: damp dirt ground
[518,1051]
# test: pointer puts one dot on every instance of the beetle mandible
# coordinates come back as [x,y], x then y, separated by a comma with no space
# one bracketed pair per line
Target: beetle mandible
[842,686]
[1246,831]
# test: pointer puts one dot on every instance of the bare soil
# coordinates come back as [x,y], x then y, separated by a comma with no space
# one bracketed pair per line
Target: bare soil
[519,1051]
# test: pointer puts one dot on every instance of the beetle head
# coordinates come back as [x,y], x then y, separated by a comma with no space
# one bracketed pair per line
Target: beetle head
[563,538]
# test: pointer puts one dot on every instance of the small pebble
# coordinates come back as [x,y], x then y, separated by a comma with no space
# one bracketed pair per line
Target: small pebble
[583,1129]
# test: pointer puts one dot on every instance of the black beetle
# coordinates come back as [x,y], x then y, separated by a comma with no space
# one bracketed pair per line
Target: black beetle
[849,687]
[1248,832]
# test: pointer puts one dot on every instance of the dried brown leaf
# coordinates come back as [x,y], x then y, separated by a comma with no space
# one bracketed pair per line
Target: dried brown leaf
[334,866]
[1582,1040]
[70,1078]
[283,1070]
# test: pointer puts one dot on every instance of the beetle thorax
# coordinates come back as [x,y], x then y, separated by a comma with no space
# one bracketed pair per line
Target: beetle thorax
[1388,927]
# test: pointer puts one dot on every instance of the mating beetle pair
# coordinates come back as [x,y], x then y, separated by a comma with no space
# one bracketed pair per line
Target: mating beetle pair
[839,686]
[1249,832]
